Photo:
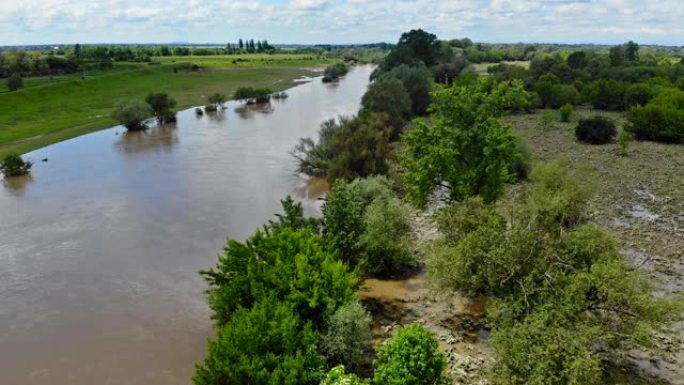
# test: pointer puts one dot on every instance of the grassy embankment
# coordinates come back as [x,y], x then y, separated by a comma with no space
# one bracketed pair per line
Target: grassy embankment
[49,110]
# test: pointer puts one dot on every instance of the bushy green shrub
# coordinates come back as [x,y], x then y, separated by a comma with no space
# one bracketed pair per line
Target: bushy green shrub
[554,94]
[606,94]
[348,336]
[337,376]
[418,83]
[595,130]
[15,82]
[350,148]
[289,265]
[656,122]
[387,241]
[565,112]
[217,100]
[411,357]
[638,95]
[162,106]
[266,344]
[624,138]
[520,166]
[369,226]
[333,72]
[132,114]
[252,95]
[388,95]
[14,165]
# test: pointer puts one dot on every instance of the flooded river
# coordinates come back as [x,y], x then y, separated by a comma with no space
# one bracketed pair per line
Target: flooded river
[100,247]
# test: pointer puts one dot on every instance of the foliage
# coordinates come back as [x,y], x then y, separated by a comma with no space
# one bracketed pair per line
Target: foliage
[267,344]
[662,119]
[368,225]
[595,130]
[388,95]
[624,138]
[218,99]
[638,94]
[289,265]
[387,241]
[132,114]
[333,72]
[411,357]
[15,82]
[606,94]
[563,296]
[162,106]
[14,165]
[464,149]
[417,82]
[253,95]
[553,94]
[354,147]
[293,217]
[414,47]
[565,112]
[348,336]
[337,376]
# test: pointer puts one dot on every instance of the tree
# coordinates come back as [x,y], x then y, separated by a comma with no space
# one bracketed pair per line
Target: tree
[266,344]
[289,265]
[465,150]
[412,357]
[577,60]
[162,106]
[14,165]
[388,95]
[132,114]
[217,100]
[631,51]
[348,336]
[253,95]
[15,82]
[617,56]
[241,44]
[417,82]
[337,376]
[413,47]
[77,50]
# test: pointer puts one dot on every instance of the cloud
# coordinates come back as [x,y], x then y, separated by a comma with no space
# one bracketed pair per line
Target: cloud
[339,21]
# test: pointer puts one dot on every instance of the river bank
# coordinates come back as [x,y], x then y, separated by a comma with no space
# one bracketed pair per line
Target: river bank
[55,110]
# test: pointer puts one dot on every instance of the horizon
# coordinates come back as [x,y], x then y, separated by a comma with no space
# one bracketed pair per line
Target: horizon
[311,22]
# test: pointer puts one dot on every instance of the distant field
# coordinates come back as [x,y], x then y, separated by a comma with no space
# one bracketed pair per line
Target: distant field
[50,110]
[481,68]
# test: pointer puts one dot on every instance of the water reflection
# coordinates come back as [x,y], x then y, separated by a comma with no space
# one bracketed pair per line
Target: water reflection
[249,111]
[16,185]
[154,139]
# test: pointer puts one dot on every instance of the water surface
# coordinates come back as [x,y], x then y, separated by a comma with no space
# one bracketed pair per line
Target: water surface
[100,247]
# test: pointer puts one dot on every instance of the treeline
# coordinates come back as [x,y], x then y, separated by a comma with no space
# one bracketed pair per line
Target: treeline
[651,92]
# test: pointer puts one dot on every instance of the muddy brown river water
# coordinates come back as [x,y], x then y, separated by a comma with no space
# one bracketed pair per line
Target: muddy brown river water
[100,247]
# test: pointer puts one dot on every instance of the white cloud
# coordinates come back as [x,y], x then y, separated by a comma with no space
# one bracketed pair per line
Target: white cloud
[339,21]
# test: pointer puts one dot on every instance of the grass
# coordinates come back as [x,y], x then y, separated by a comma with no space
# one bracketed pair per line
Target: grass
[51,110]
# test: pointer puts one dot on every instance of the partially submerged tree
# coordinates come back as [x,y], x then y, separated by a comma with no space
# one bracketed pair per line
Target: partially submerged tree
[253,95]
[132,114]
[162,106]
[14,165]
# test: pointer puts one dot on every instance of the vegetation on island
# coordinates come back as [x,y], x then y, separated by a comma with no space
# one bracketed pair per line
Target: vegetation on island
[14,165]
[333,72]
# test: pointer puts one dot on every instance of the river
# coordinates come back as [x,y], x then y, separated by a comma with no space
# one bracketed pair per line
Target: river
[100,247]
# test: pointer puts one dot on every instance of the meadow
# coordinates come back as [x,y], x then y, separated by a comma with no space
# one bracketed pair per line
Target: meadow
[52,109]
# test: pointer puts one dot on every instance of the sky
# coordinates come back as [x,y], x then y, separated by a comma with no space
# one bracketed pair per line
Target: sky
[24,22]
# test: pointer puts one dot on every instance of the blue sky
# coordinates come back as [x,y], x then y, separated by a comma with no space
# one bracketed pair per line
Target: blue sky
[339,21]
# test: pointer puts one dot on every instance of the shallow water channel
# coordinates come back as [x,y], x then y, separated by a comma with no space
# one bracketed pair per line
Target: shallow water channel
[100,247]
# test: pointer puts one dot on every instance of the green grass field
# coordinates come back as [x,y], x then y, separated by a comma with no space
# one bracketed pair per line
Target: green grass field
[49,110]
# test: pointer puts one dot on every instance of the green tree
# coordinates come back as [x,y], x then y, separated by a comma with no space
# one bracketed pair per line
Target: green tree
[617,56]
[265,345]
[388,95]
[132,114]
[349,336]
[15,82]
[217,100]
[162,106]
[14,165]
[337,376]
[631,51]
[417,82]
[289,265]
[412,357]
[465,150]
